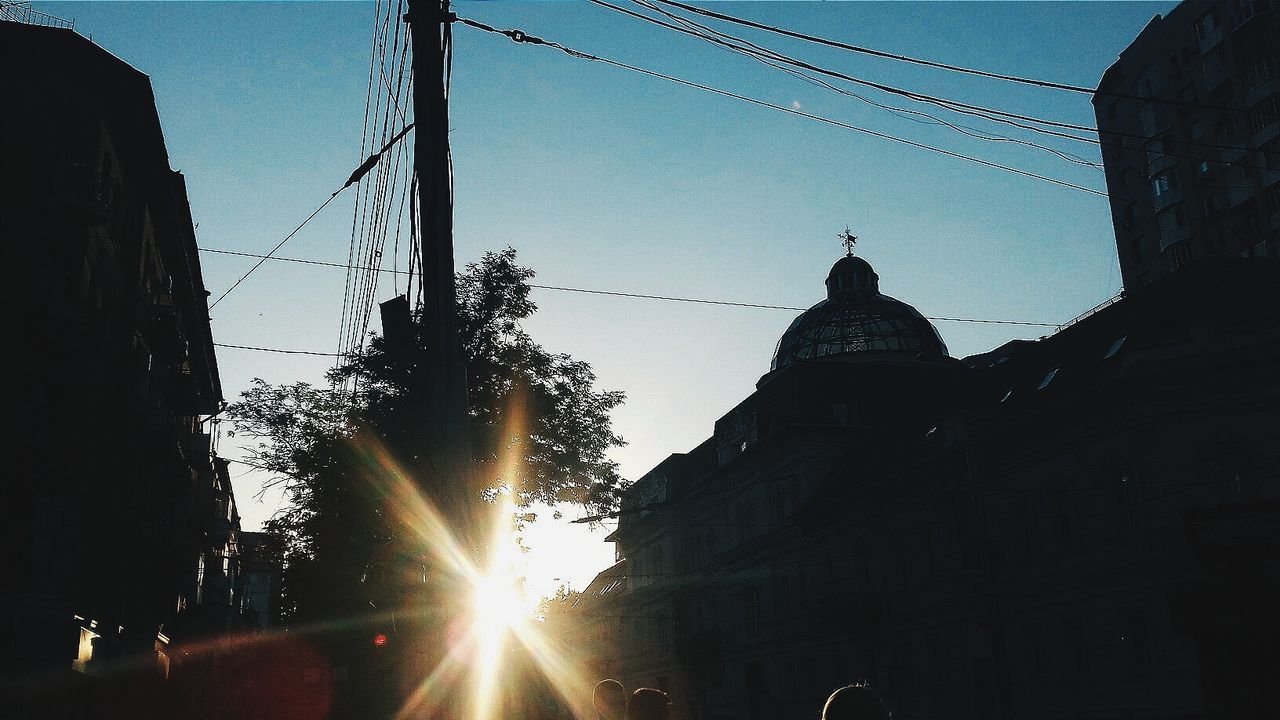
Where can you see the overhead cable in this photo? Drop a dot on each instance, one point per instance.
(274, 350)
(355, 177)
(944, 66)
(643, 296)
(775, 60)
(992, 114)
(521, 37)
(764, 55)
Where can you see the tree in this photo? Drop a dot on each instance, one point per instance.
(541, 408)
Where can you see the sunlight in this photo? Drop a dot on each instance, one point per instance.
(496, 608)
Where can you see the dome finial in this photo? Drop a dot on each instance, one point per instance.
(849, 239)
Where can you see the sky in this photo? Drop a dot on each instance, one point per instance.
(605, 179)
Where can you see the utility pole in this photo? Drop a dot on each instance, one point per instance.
(443, 380)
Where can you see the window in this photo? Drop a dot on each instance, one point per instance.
(1264, 114)
(1121, 487)
(1155, 117)
(1136, 635)
(1163, 183)
(936, 660)
(900, 551)
(1035, 648)
(1115, 348)
(751, 610)
(1271, 199)
(840, 412)
(1075, 633)
(744, 519)
(777, 507)
(1048, 378)
(1261, 71)
(200, 579)
(1062, 512)
(1203, 167)
(1206, 25)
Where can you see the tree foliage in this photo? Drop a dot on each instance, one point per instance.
(539, 426)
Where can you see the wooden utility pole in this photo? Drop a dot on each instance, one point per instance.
(443, 378)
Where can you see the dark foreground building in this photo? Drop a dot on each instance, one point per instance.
(1083, 526)
(1189, 119)
(121, 528)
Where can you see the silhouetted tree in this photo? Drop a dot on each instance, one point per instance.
(539, 407)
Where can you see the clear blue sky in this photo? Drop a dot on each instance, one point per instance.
(605, 179)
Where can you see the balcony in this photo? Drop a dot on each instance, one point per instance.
(1168, 197)
(1262, 91)
(1210, 40)
(79, 197)
(1265, 135)
(218, 530)
(164, 335)
(1160, 163)
(1174, 236)
(199, 447)
(1237, 195)
(180, 395)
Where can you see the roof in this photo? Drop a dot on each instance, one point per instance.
(857, 318)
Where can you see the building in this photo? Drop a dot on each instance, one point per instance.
(261, 571)
(122, 527)
(1074, 527)
(1188, 118)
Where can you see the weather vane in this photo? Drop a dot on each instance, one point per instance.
(849, 240)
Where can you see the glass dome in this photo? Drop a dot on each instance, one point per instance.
(855, 318)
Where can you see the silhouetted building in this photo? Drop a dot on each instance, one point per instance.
(261, 571)
(1072, 527)
(1188, 119)
(123, 521)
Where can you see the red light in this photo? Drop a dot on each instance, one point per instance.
(380, 639)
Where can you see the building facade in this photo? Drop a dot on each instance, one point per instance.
(1074, 527)
(123, 522)
(1188, 118)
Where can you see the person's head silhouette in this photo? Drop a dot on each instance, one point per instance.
(648, 704)
(609, 699)
(855, 702)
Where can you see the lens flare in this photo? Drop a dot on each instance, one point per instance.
(484, 617)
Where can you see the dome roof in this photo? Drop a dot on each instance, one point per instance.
(857, 318)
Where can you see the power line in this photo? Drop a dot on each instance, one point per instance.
(521, 37)
(986, 113)
(358, 173)
(274, 350)
(280, 244)
(944, 66)
(706, 33)
(773, 59)
(643, 296)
